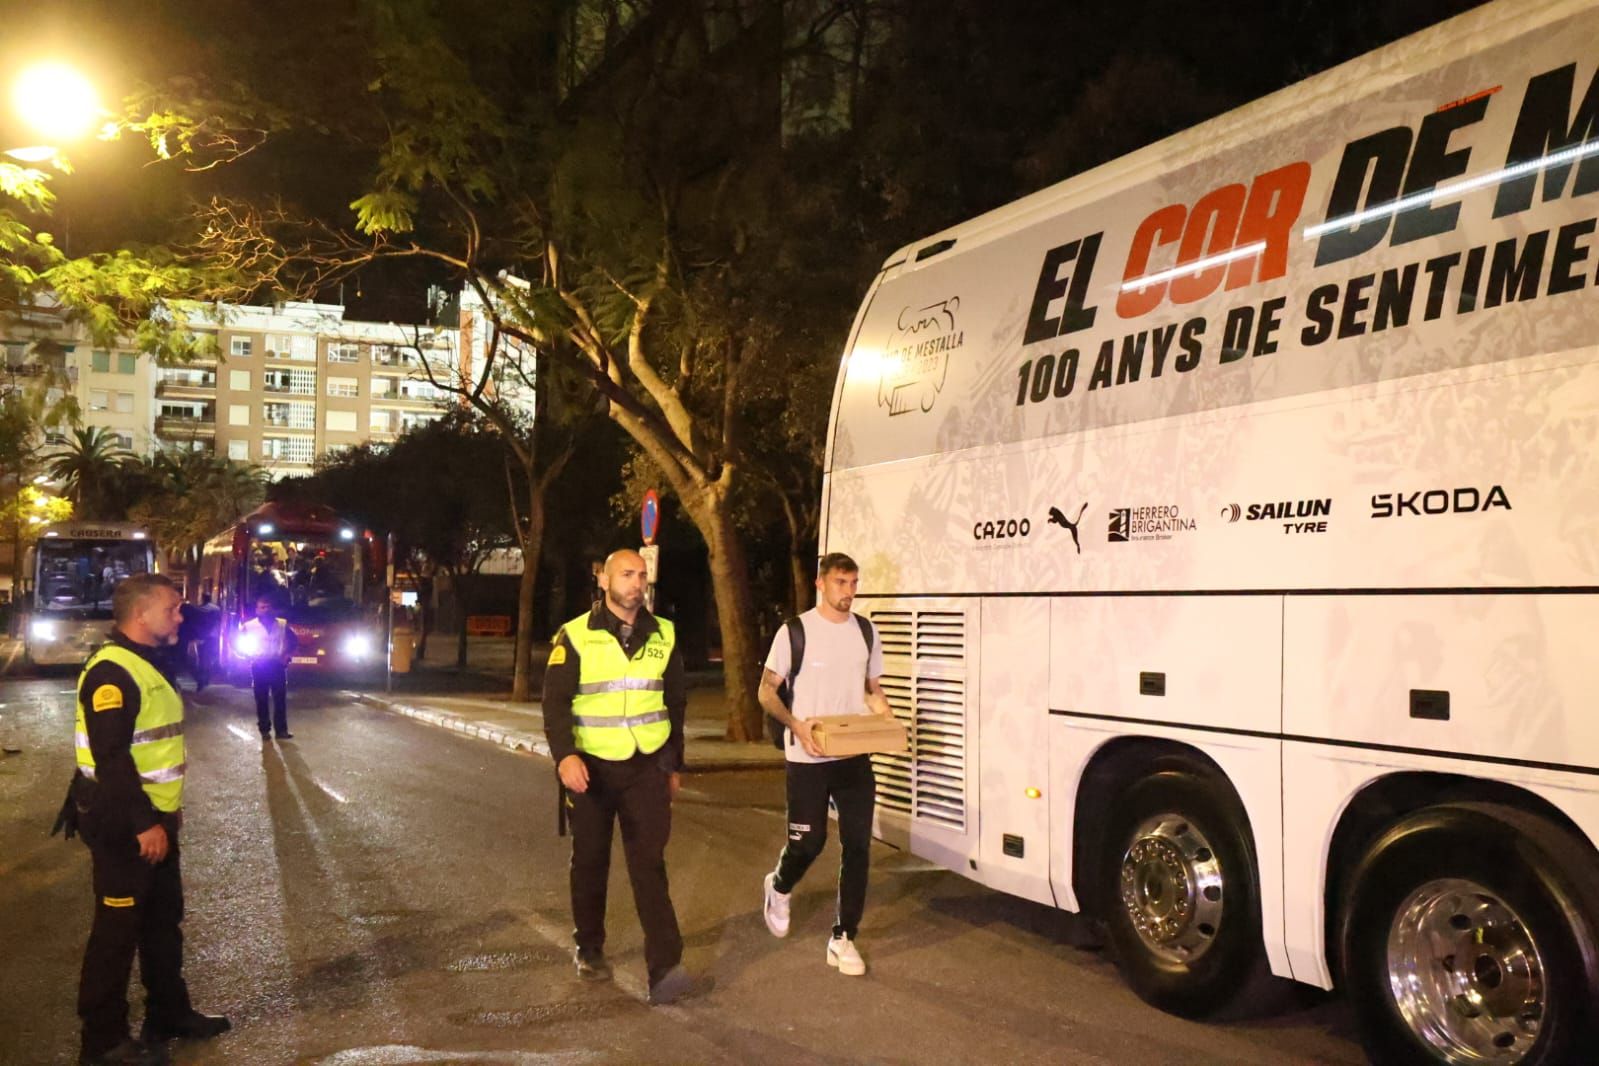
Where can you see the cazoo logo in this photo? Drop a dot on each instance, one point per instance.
(1438, 501)
(1002, 529)
(917, 362)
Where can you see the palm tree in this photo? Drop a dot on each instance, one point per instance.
(192, 495)
(88, 469)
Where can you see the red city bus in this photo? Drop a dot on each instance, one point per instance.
(322, 574)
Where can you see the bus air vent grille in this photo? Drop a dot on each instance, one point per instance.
(924, 679)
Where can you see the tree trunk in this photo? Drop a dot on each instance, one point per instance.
(730, 584)
(803, 587)
(463, 609)
(532, 543)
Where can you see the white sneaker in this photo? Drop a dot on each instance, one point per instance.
(776, 908)
(842, 954)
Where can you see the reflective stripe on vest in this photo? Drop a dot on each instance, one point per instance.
(620, 706)
(157, 744)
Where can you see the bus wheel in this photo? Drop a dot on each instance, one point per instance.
(1181, 902)
(1469, 938)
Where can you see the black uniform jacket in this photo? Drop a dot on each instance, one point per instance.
(560, 685)
(116, 796)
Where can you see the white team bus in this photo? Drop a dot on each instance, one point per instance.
(1230, 514)
(74, 567)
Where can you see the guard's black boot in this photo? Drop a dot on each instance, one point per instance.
(591, 965)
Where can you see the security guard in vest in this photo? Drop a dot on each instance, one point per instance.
(128, 794)
(614, 698)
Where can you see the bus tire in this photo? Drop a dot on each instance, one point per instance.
(1469, 935)
(1181, 896)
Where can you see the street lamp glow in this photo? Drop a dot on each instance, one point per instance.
(39, 153)
(56, 101)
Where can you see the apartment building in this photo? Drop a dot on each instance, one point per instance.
(114, 386)
(289, 383)
(297, 381)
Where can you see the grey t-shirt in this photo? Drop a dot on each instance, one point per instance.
(833, 673)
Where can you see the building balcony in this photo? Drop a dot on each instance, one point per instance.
(186, 426)
(283, 422)
(204, 386)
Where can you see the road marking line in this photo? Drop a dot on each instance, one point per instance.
(236, 731)
(330, 792)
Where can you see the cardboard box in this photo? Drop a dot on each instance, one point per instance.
(857, 734)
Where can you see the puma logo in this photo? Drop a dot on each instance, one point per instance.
(1058, 518)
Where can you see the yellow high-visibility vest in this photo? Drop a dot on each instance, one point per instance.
(620, 706)
(157, 749)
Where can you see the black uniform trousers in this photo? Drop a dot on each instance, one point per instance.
(637, 793)
(271, 678)
(137, 908)
(852, 787)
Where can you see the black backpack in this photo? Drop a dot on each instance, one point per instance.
(796, 655)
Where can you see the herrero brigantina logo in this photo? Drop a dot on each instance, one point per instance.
(918, 357)
(1147, 523)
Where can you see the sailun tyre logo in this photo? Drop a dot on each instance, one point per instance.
(1294, 516)
(918, 357)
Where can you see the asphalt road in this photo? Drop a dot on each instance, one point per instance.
(378, 891)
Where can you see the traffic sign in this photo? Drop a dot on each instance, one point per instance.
(652, 562)
(650, 516)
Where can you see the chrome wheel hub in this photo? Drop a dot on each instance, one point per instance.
(1171, 887)
(1466, 974)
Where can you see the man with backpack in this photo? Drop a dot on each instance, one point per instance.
(825, 662)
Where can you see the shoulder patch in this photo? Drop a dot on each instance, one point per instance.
(106, 698)
(557, 655)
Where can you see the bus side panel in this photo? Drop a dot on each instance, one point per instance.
(1218, 661)
(1519, 674)
(1214, 659)
(1014, 827)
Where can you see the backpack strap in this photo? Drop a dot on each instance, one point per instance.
(866, 635)
(796, 656)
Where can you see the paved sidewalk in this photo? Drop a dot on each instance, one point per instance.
(520, 726)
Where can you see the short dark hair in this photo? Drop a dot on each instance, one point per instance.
(131, 592)
(836, 561)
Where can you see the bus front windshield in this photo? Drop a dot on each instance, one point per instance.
(306, 580)
(78, 576)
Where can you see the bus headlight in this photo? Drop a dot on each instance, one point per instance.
(247, 644)
(43, 630)
(357, 646)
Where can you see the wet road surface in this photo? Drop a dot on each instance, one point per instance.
(377, 891)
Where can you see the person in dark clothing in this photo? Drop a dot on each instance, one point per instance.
(270, 644)
(128, 800)
(614, 701)
(197, 637)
